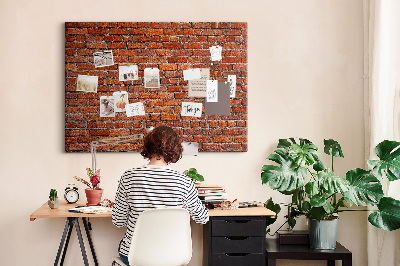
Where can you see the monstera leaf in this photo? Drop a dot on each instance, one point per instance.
(364, 188)
(331, 183)
(304, 155)
(334, 147)
(286, 177)
(276, 208)
(388, 216)
(388, 153)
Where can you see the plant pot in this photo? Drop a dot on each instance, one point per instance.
(93, 196)
(323, 234)
(53, 204)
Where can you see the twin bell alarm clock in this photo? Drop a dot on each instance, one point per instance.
(71, 194)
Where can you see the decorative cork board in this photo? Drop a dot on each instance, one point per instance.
(105, 58)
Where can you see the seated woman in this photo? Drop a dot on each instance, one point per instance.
(155, 185)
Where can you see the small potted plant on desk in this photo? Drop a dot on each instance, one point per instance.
(319, 194)
(93, 193)
(53, 201)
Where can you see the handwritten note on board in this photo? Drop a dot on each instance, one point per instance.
(212, 91)
(191, 109)
(190, 148)
(134, 109)
(216, 53)
(198, 87)
(232, 86)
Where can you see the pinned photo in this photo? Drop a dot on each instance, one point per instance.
(128, 73)
(216, 53)
(232, 86)
(151, 78)
(121, 100)
(87, 83)
(102, 59)
(107, 106)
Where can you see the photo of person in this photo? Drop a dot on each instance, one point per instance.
(102, 59)
(128, 73)
(87, 83)
(107, 108)
(151, 78)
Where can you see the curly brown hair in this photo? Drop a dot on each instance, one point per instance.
(163, 141)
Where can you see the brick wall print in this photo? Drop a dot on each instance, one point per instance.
(171, 47)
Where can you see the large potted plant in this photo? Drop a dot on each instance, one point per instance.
(320, 194)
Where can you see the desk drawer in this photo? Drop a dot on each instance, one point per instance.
(237, 245)
(237, 259)
(238, 227)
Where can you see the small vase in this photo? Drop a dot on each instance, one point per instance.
(54, 204)
(323, 234)
(93, 196)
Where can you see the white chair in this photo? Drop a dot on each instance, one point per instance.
(162, 237)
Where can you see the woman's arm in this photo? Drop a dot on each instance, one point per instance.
(120, 208)
(193, 205)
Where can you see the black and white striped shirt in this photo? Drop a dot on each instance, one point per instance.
(151, 187)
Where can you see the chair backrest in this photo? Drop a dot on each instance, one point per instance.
(161, 237)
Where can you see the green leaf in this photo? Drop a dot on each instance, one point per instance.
(284, 143)
(306, 206)
(292, 222)
(287, 176)
(317, 213)
(304, 155)
(194, 175)
(332, 183)
(311, 189)
(320, 201)
(332, 146)
(319, 166)
(388, 216)
(364, 188)
(276, 208)
(388, 153)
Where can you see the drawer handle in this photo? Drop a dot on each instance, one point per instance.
(237, 221)
(236, 237)
(237, 254)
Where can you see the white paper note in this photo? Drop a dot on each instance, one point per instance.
(190, 148)
(191, 109)
(216, 53)
(212, 91)
(107, 106)
(232, 86)
(191, 74)
(135, 109)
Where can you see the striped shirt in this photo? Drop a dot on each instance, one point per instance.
(151, 187)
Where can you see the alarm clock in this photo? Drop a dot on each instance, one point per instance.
(71, 194)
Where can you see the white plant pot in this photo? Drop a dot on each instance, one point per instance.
(54, 204)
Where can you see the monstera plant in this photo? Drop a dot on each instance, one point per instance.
(320, 194)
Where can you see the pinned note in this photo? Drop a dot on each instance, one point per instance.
(128, 72)
(87, 83)
(151, 78)
(135, 109)
(222, 107)
(190, 148)
(102, 59)
(121, 100)
(232, 86)
(191, 109)
(107, 108)
(191, 74)
(212, 91)
(216, 53)
(198, 87)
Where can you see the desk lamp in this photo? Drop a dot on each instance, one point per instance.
(104, 142)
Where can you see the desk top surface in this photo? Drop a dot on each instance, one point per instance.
(62, 212)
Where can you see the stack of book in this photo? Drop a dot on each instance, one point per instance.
(211, 194)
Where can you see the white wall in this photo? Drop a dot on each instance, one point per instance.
(305, 80)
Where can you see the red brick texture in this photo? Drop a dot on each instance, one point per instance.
(171, 47)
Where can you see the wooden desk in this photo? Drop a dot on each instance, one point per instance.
(304, 252)
(235, 237)
(72, 219)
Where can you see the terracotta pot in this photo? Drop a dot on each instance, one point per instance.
(93, 196)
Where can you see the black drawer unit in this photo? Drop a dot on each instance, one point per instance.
(234, 241)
